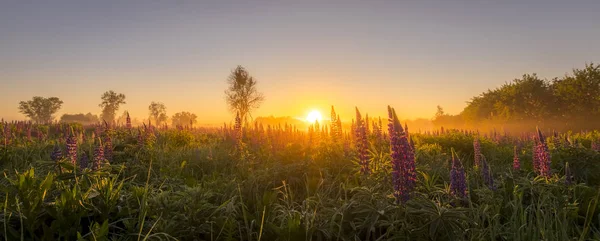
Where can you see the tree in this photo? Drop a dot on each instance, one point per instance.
(242, 95)
(183, 119)
(40, 109)
(110, 104)
(158, 112)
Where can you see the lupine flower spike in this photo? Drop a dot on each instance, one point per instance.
(458, 180)
(477, 151)
(516, 161)
(98, 156)
(362, 143)
(543, 156)
(71, 144)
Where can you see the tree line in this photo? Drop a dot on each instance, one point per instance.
(242, 97)
(570, 102)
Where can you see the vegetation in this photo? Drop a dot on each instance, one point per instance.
(111, 101)
(86, 119)
(273, 183)
(370, 180)
(158, 112)
(242, 95)
(40, 109)
(565, 103)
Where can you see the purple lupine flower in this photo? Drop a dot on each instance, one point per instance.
(458, 179)
(128, 121)
(477, 151)
(98, 157)
(362, 144)
(72, 149)
(487, 175)
(568, 175)
(396, 158)
(403, 159)
(516, 161)
(108, 148)
(56, 154)
(84, 162)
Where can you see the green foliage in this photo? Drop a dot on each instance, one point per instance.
(566, 103)
(111, 101)
(40, 109)
(189, 185)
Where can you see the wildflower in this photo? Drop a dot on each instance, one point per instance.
(108, 148)
(516, 161)
(84, 162)
(543, 156)
(362, 143)
(71, 144)
(128, 121)
(56, 154)
(98, 156)
(535, 158)
(403, 159)
(458, 182)
(477, 150)
(487, 175)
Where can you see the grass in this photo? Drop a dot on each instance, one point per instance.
(280, 184)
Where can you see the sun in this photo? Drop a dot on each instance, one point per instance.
(313, 116)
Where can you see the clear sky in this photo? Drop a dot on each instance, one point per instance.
(305, 54)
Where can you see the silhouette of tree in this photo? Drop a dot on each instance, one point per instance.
(40, 109)
(158, 112)
(242, 95)
(183, 119)
(110, 105)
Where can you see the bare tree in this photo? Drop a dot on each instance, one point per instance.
(242, 95)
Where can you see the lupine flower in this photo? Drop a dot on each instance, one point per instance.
(72, 149)
(98, 156)
(128, 121)
(458, 179)
(516, 161)
(108, 148)
(403, 159)
(140, 139)
(396, 154)
(477, 149)
(84, 162)
(362, 144)
(543, 156)
(56, 154)
(487, 175)
(568, 175)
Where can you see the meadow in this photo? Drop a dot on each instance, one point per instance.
(378, 180)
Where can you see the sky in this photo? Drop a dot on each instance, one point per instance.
(412, 55)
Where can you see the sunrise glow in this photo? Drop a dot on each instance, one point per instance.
(313, 116)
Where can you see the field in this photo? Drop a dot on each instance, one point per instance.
(375, 181)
